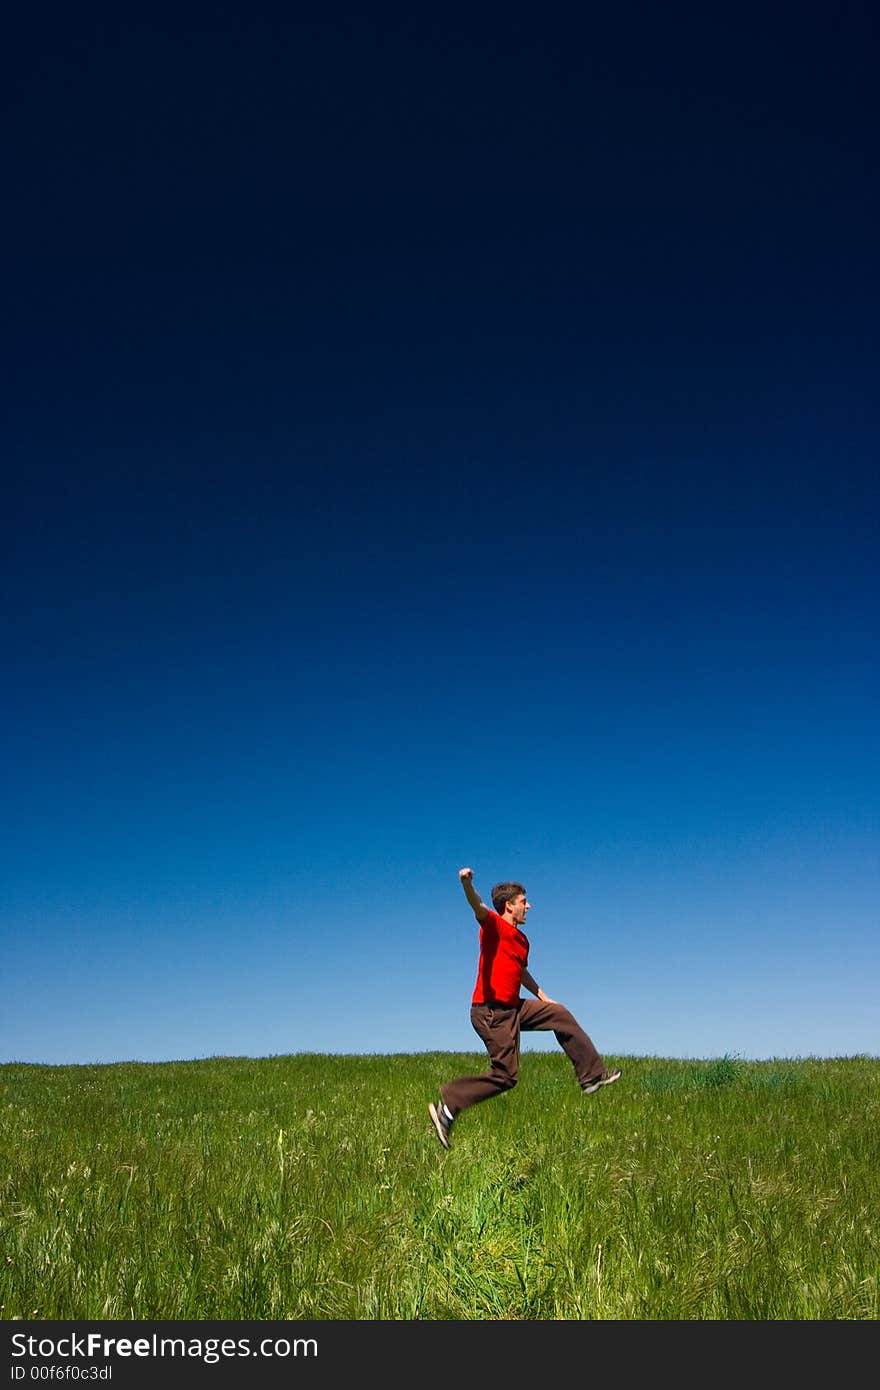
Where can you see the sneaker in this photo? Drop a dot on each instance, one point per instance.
(442, 1122)
(605, 1079)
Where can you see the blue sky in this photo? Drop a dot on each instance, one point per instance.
(424, 454)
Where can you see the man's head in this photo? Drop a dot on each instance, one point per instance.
(509, 900)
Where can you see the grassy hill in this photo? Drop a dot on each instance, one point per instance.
(312, 1186)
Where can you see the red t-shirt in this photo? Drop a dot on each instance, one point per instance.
(504, 955)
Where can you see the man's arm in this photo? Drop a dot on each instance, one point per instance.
(481, 911)
(529, 982)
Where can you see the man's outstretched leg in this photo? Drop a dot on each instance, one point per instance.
(538, 1015)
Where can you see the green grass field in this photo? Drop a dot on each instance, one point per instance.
(313, 1187)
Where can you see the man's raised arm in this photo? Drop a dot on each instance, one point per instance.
(481, 911)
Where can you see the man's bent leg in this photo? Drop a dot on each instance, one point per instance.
(499, 1029)
(537, 1016)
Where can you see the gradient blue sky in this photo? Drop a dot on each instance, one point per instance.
(436, 441)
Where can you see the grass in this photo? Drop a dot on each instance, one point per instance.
(312, 1187)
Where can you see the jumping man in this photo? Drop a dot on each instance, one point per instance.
(499, 1014)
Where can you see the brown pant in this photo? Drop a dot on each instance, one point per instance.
(500, 1029)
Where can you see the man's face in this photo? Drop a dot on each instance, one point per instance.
(520, 908)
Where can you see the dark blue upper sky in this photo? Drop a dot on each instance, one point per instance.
(440, 440)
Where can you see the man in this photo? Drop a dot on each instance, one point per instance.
(499, 1014)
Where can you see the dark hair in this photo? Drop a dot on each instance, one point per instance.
(503, 893)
